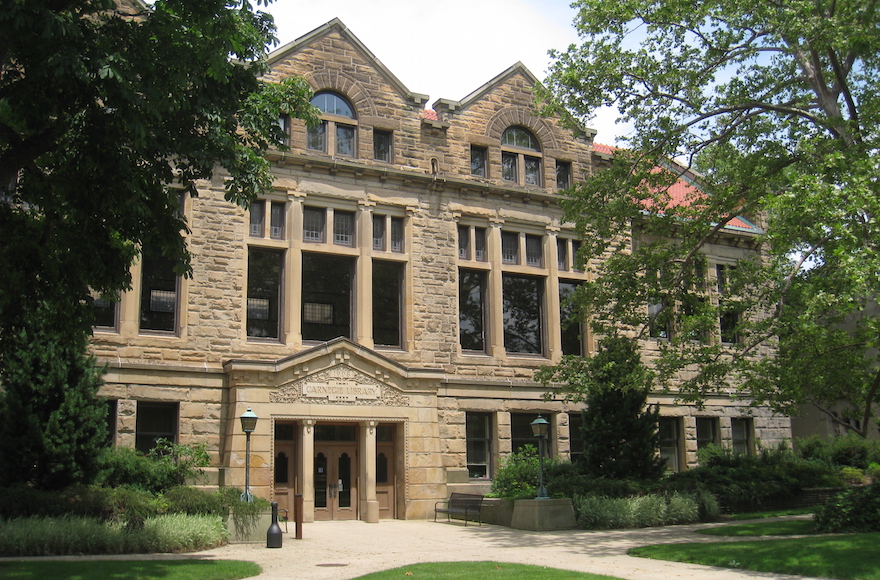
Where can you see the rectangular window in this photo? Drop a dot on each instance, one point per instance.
(575, 260)
(576, 436)
(533, 170)
(397, 235)
(728, 318)
(387, 303)
(316, 137)
(508, 167)
(521, 432)
(326, 296)
(265, 269)
(472, 310)
(572, 328)
(379, 239)
(563, 174)
(106, 312)
(480, 254)
(464, 243)
(112, 414)
(155, 421)
(343, 228)
(382, 145)
(741, 436)
(314, 224)
(159, 289)
(479, 445)
(510, 247)
(522, 298)
(534, 251)
(478, 161)
(345, 140)
(276, 220)
(658, 325)
(258, 218)
(670, 442)
(562, 254)
(707, 431)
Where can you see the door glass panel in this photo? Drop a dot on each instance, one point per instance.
(381, 468)
(344, 481)
(281, 468)
(320, 481)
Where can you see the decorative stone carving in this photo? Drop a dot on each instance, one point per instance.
(340, 384)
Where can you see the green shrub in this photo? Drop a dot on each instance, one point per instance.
(595, 512)
(813, 447)
(855, 510)
(873, 472)
(40, 536)
(168, 465)
(189, 500)
(518, 475)
(852, 475)
(850, 450)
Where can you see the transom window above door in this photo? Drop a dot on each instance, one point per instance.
(338, 129)
(521, 158)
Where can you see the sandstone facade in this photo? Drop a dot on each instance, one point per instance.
(422, 211)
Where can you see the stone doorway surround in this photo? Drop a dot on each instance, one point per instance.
(339, 382)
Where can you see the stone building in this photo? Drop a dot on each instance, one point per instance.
(384, 309)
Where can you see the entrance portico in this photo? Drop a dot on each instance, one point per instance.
(351, 431)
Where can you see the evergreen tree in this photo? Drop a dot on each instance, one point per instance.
(620, 431)
(52, 424)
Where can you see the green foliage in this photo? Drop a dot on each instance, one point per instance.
(463, 570)
(596, 512)
(855, 510)
(127, 569)
(849, 450)
(775, 109)
(52, 424)
(619, 430)
(168, 465)
(737, 479)
(191, 501)
(106, 119)
(74, 535)
(518, 475)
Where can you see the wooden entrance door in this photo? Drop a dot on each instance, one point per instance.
(335, 481)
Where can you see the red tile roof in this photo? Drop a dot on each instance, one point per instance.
(683, 192)
(430, 114)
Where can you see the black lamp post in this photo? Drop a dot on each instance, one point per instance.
(248, 425)
(540, 426)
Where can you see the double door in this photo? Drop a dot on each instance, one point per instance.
(335, 480)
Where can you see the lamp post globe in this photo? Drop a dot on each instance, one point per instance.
(248, 425)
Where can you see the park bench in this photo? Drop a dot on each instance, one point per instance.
(464, 506)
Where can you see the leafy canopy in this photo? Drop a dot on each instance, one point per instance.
(774, 106)
(110, 112)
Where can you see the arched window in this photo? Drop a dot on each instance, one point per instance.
(521, 157)
(338, 127)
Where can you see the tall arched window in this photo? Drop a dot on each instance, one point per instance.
(338, 127)
(521, 157)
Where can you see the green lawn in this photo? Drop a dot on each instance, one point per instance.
(778, 528)
(469, 570)
(844, 557)
(128, 570)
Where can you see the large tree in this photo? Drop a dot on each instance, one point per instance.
(110, 112)
(774, 107)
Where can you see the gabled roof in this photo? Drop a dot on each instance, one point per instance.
(337, 26)
(518, 68)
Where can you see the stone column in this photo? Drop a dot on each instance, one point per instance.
(369, 505)
(305, 467)
(494, 302)
(363, 321)
(554, 321)
(292, 293)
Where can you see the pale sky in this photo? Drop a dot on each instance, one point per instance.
(447, 49)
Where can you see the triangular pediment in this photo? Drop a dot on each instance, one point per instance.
(336, 27)
(338, 371)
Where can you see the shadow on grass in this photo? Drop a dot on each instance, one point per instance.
(127, 569)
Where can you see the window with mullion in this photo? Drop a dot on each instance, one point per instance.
(510, 247)
(572, 330)
(343, 228)
(478, 431)
(159, 293)
(264, 293)
(534, 251)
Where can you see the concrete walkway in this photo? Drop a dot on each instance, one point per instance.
(340, 550)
